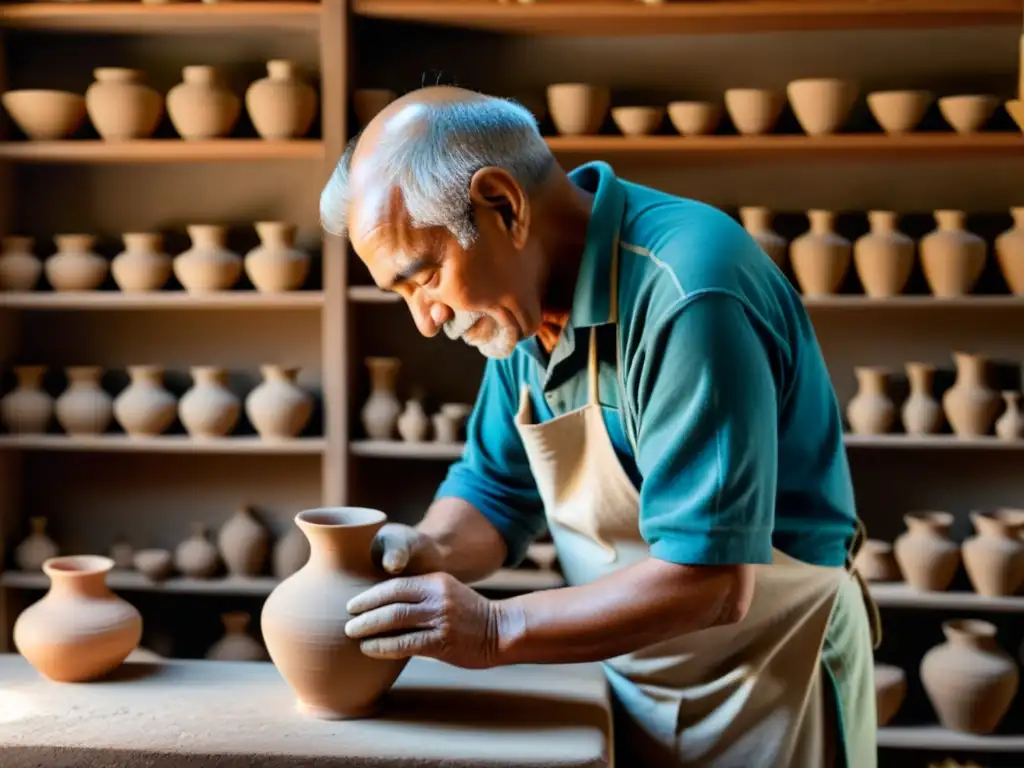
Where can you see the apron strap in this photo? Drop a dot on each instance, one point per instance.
(592, 369)
(874, 616)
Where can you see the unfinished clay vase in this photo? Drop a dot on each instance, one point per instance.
(243, 542)
(821, 104)
(367, 102)
(927, 556)
(871, 411)
(952, 258)
(196, 557)
(1010, 426)
(154, 564)
(121, 106)
(281, 105)
(578, 109)
(79, 630)
(970, 404)
(145, 408)
(279, 408)
(994, 556)
(75, 266)
(209, 408)
(448, 422)
(890, 690)
(84, 408)
(201, 107)
(304, 618)
(1009, 247)
(36, 548)
(413, 423)
(380, 411)
(969, 679)
(753, 111)
(20, 269)
(27, 409)
(290, 553)
(875, 561)
(884, 257)
(820, 256)
(209, 265)
(142, 265)
(236, 644)
(921, 412)
(276, 264)
(757, 220)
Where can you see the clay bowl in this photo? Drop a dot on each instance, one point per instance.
(578, 109)
(753, 111)
(638, 121)
(899, 111)
(367, 102)
(694, 118)
(1016, 109)
(45, 115)
(967, 114)
(821, 104)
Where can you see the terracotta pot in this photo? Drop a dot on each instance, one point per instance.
(276, 264)
(75, 266)
(968, 114)
(122, 553)
(279, 408)
(367, 102)
(899, 112)
(821, 105)
(1010, 426)
(871, 411)
(380, 411)
(290, 553)
(994, 557)
(236, 645)
(449, 421)
(196, 557)
(969, 679)
(876, 562)
(413, 423)
(45, 115)
(753, 111)
(36, 548)
(154, 564)
(921, 412)
(209, 265)
(304, 618)
(927, 556)
(27, 409)
(970, 404)
(578, 109)
(142, 265)
(84, 408)
(820, 257)
(952, 258)
(20, 269)
(638, 121)
(281, 105)
(201, 107)
(890, 691)
(883, 258)
(694, 118)
(79, 630)
(1009, 248)
(757, 220)
(121, 106)
(209, 408)
(243, 542)
(144, 408)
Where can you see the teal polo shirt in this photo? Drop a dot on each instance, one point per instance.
(721, 412)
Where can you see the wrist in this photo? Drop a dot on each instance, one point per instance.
(508, 622)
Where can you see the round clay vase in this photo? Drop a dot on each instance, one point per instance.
(884, 257)
(448, 422)
(209, 265)
(144, 408)
(921, 413)
(1009, 248)
(142, 265)
(971, 406)
(243, 542)
(76, 266)
(994, 556)
(236, 644)
(279, 408)
(578, 109)
(413, 423)
(304, 618)
(871, 411)
(381, 409)
(79, 630)
(209, 408)
(367, 102)
(757, 220)
(121, 106)
(27, 409)
(275, 264)
(196, 556)
(1010, 426)
(820, 256)
(201, 107)
(969, 679)
(821, 104)
(890, 691)
(154, 564)
(20, 269)
(36, 548)
(290, 553)
(875, 562)
(927, 556)
(84, 408)
(952, 258)
(281, 105)
(753, 111)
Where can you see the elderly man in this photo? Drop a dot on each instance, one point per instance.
(656, 398)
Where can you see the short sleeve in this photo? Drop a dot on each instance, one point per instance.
(706, 434)
(494, 474)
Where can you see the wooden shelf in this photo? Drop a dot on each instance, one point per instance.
(946, 442)
(162, 300)
(371, 294)
(163, 444)
(631, 17)
(160, 151)
(135, 17)
(926, 303)
(901, 595)
(935, 737)
(399, 449)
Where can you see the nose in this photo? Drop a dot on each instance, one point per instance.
(429, 316)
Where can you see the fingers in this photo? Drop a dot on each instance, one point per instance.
(425, 643)
(392, 547)
(403, 590)
(391, 618)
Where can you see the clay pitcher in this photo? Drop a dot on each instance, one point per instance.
(381, 409)
(281, 105)
(970, 404)
(994, 557)
(870, 411)
(20, 269)
(1009, 247)
(952, 258)
(1010, 426)
(275, 264)
(883, 258)
(145, 408)
(926, 554)
(84, 408)
(304, 618)
(820, 256)
(757, 220)
(27, 409)
(921, 412)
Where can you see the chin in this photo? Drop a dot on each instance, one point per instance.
(501, 345)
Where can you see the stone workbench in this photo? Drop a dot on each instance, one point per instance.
(210, 714)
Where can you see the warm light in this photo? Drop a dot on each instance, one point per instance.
(15, 706)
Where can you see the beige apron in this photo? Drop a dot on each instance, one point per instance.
(748, 695)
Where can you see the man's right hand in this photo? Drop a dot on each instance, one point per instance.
(401, 549)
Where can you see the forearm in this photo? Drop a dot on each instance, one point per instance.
(638, 606)
(471, 547)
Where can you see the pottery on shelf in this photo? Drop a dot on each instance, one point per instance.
(243, 542)
(927, 556)
(142, 265)
(969, 679)
(27, 409)
(876, 562)
(196, 556)
(36, 548)
(921, 413)
(304, 618)
(1010, 426)
(276, 264)
(144, 408)
(822, 105)
(757, 220)
(413, 423)
(209, 408)
(884, 257)
(971, 406)
(753, 111)
(899, 111)
(637, 121)
(890, 691)
(290, 553)
(367, 102)
(994, 556)
(20, 269)
(79, 630)
(75, 266)
(154, 564)
(121, 106)
(201, 106)
(278, 407)
(84, 408)
(1009, 248)
(209, 265)
(236, 644)
(449, 420)
(280, 105)
(951, 257)
(820, 256)
(122, 553)
(694, 118)
(871, 411)
(45, 115)
(381, 409)
(578, 109)
(968, 113)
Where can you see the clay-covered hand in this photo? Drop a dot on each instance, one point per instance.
(399, 549)
(434, 615)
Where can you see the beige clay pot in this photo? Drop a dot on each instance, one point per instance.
(884, 257)
(951, 257)
(413, 423)
(449, 421)
(578, 109)
(278, 407)
(27, 409)
(144, 408)
(820, 256)
(638, 121)
(694, 118)
(45, 115)
(84, 408)
(201, 106)
(753, 111)
(75, 266)
(142, 265)
(154, 564)
(196, 557)
(899, 112)
(36, 548)
(379, 413)
(927, 556)
(876, 562)
(276, 265)
(871, 411)
(757, 220)
(994, 556)
(236, 644)
(280, 105)
(1010, 426)
(243, 542)
(209, 409)
(290, 553)
(367, 102)
(967, 114)
(921, 413)
(821, 105)
(209, 265)
(890, 691)
(971, 405)
(121, 106)
(1009, 248)
(20, 269)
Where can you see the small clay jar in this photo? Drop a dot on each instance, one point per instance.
(236, 644)
(875, 562)
(820, 256)
(278, 408)
(209, 408)
(890, 691)
(367, 102)
(413, 424)
(884, 257)
(927, 556)
(757, 220)
(952, 258)
(209, 265)
(142, 265)
(994, 556)
(290, 553)
(871, 411)
(276, 265)
(971, 406)
(244, 542)
(121, 106)
(27, 409)
(578, 109)
(84, 408)
(75, 266)
(921, 412)
(154, 564)
(20, 269)
(1010, 426)
(196, 556)
(1009, 248)
(201, 107)
(36, 548)
(144, 408)
(281, 105)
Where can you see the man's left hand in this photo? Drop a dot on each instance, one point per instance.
(434, 615)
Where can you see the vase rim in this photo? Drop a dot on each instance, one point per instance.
(340, 517)
(978, 628)
(931, 516)
(77, 566)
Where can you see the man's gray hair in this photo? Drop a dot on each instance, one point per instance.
(430, 152)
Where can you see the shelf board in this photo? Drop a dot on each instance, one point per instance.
(371, 294)
(399, 449)
(935, 737)
(631, 17)
(902, 595)
(947, 442)
(929, 303)
(136, 17)
(163, 444)
(160, 150)
(161, 300)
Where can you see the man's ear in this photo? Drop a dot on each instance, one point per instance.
(494, 191)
